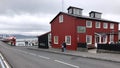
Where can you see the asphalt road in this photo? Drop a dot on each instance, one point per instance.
(22, 57)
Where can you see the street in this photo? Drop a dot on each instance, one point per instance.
(23, 57)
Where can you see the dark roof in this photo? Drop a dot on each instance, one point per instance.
(44, 34)
(95, 12)
(85, 17)
(74, 7)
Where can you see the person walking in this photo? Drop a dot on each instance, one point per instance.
(63, 47)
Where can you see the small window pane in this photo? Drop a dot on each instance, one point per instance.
(111, 26)
(55, 39)
(89, 24)
(68, 40)
(97, 24)
(89, 39)
(105, 25)
(104, 38)
(61, 18)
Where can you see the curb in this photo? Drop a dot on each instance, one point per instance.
(63, 53)
(6, 63)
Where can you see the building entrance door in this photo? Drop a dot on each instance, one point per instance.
(97, 39)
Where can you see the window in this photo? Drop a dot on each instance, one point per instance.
(89, 24)
(55, 39)
(104, 38)
(88, 39)
(68, 40)
(97, 24)
(111, 26)
(76, 11)
(81, 29)
(111, 38)
(60, 18)
(105, 25)
(97, 15)
(70, 11)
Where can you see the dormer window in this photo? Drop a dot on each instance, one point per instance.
(77, 12)
(74, 10)
(70, 11)
(60, 18)
(95, 14)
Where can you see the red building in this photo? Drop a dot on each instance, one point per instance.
(74, 28)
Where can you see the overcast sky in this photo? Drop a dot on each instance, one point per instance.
(32, 17)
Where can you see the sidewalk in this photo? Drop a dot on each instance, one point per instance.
(98, 56)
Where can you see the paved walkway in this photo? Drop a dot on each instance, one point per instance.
(92, 55)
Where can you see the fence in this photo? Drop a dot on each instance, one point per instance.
(82, 45)
(110, 47)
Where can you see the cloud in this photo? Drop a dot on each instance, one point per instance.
(25, 23)
(33, 16)
(29, 6)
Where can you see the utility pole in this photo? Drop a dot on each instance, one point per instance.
(62, 5)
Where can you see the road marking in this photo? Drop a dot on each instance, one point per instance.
(22, 51)
(33, 54)
(43, 57)
(67, 64)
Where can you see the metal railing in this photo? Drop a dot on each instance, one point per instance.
(110, 47)
(3, 62)
(82, 45)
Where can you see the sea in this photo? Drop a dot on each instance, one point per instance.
(26, 41)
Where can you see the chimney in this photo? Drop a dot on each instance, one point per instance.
(95, 14)
(74, 10)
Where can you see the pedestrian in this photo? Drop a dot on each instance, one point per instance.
(63, 47)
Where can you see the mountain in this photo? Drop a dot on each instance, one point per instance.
(18, 36)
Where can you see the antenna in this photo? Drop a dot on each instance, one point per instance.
(62, 5)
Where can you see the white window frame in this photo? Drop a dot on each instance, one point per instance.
(105, 25)
(61, 19)
(56, 39)
(105, 39)
(111, 26)
(111, 38)
(76, 11)
(97, 24)
(89, 36)
(89, 22)
(66, 40)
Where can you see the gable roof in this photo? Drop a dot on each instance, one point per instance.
(74, 7)
(44, 34)
(84, 17)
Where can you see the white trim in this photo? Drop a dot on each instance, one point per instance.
(97, 23)
(68, 42)
(89, 36)
(60, 18)
(105, 25)
(111, 38)
(105, 41)
(111, 26)
(89, 22)
(56, 39)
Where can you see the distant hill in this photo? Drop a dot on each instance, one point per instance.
(18, 36)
